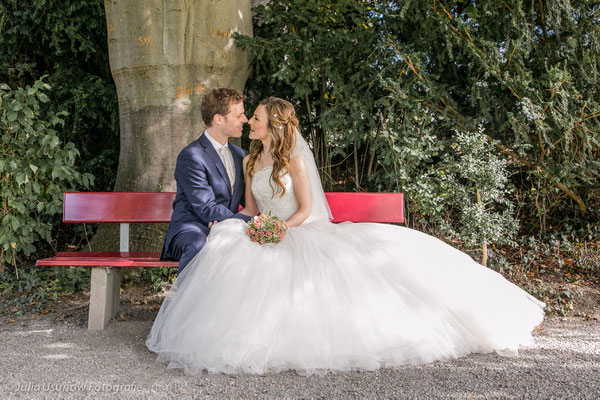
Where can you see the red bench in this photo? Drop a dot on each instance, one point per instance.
(126, 208)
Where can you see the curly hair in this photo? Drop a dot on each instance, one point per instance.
(282, 129)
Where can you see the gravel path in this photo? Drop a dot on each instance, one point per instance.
(45, 359)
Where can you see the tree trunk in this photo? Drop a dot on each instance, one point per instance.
(163, 57)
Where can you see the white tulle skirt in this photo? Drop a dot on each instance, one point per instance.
(335, 297)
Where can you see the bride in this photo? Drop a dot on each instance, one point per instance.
(350, 296)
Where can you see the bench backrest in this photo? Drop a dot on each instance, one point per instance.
(131, 207)
(366, 207)
(120, 207)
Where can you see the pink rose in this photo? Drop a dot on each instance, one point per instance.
(257, 222)
(254, 239)
(278, 225)
(270, 233)
(249, 232)
(260, 233)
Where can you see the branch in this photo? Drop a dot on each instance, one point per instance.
(509, 59)
(541, 3)
(574, 196)
(481, 53)
(542, 148)
(411, 66)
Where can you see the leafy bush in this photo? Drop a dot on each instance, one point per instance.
(459, 188)
(558, 302)
(68, 43)
(35, 169)
(35, 285)
(380, 87)
(158, 278)
(475, 183)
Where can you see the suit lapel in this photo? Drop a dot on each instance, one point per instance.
(239, 174)
(214, 156)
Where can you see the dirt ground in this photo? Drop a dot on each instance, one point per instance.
(50, 354)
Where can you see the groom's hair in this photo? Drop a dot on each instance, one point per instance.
(218, 101)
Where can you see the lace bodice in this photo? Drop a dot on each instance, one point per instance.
(262, 190)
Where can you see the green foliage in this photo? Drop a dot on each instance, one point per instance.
(409, 159)
(558, 302)
(157, 277)
(34, 285)
(318, 55)
(35, 169)
(380, 87)
(475, 183)
(459, 188)
(536, 87)
(68, 43)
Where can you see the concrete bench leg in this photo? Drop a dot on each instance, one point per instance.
(104, 297)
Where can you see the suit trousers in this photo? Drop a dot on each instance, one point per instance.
(185, 245)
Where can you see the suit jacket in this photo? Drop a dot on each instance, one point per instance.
(203, 190)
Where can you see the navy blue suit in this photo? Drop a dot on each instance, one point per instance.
(203, 196)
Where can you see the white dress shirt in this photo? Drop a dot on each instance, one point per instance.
(217, 146)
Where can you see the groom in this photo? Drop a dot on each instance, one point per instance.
(209, 177)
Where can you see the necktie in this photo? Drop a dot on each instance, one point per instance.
(226, 157)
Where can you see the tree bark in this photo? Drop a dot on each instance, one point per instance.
(164, 56)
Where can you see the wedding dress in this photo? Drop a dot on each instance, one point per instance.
(349, 296)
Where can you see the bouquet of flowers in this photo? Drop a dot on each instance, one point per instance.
(266, 228)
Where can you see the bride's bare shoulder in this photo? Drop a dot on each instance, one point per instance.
(297, 164)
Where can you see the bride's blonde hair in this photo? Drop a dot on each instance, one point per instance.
(282, 126)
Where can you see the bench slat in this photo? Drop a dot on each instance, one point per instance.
(118, 207)
(131, 207)
(106, 259)
(366, 207)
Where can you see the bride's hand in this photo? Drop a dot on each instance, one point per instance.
(210, 224)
